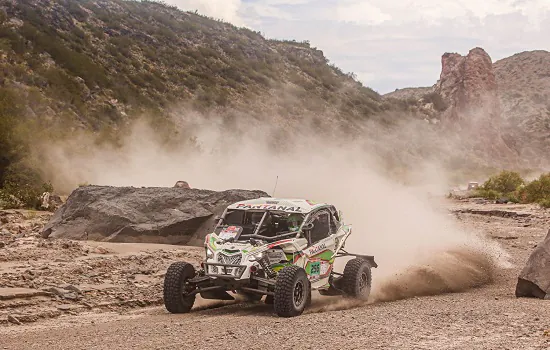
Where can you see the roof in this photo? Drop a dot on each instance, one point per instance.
(278, 204)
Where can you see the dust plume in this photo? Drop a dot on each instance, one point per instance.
(384, 179)
(447, 272)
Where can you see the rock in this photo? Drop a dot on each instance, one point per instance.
(502, 200)
(71, 296)
(13, 319)
(100, 250)
(141, 215)
(71, 288)
(468, 86)
(56, 291)
(534, 279)
(181, 184)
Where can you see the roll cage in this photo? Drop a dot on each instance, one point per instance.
(305, 226)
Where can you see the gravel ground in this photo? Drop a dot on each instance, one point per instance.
(488, 317)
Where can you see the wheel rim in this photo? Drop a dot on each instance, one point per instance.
(186, 288)
(299, 293)
(363, 281)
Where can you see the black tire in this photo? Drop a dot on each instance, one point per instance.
(357, 280)
(175, 288)
(292, 292)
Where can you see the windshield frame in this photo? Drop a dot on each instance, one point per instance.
(255, 234)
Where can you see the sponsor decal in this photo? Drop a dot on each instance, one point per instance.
(229, 232)
(275, 256)
(316, 249)
(279, 243)
(269, 207)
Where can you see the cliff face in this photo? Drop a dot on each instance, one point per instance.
(502, 108)
(468, 85)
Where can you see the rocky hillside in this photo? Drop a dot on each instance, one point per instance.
(96, 62)
(96, 65)
(524, 91)
(505, 104)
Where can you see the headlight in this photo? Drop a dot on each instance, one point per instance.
(256, 257)
(209, 253)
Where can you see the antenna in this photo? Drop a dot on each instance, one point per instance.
(276, 181)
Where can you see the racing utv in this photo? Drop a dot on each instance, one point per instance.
(280, 248)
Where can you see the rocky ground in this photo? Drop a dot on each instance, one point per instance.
(42, 278)
(88, 295)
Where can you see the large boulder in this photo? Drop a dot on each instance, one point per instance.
(147, 214)
(534, 279)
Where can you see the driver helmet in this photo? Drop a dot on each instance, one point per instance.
(294, 221)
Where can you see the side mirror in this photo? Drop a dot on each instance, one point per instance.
(308, 227)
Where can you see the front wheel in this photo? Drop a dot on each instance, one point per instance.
(292, 292)
(357, 279)
(176, 288)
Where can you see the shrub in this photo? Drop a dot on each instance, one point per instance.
(545, 203)
(537, 191)
(439, 104)
(22, 187)
(504, 183)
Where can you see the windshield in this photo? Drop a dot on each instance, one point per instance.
(274, 224)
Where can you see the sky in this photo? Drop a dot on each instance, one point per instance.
(391, 44)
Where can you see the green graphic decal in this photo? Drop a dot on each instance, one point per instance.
(278, 267)
(325, 255)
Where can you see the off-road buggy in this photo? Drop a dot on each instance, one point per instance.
(280, 248)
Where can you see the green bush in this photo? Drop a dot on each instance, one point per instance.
(510, 185)
(439, 104)
(504, 183)
(20, 184)
(487, 194)
(537, 191)
(545, 203)
(22, 187)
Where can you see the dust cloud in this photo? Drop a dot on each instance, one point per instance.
(379, 177)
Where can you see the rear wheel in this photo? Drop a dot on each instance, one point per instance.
(177, 288)
(292, 291)
(357, 279)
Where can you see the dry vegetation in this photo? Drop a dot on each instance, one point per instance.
(95, 65)
(512, 187)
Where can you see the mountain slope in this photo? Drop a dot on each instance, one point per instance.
(524, 90)
(97, 61)
(522, 114)
(94, 66)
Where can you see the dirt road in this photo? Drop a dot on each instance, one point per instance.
(489, 317)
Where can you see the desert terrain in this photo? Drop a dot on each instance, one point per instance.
(62, 294)
(103, 102)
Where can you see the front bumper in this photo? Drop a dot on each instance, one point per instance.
(220, 270)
